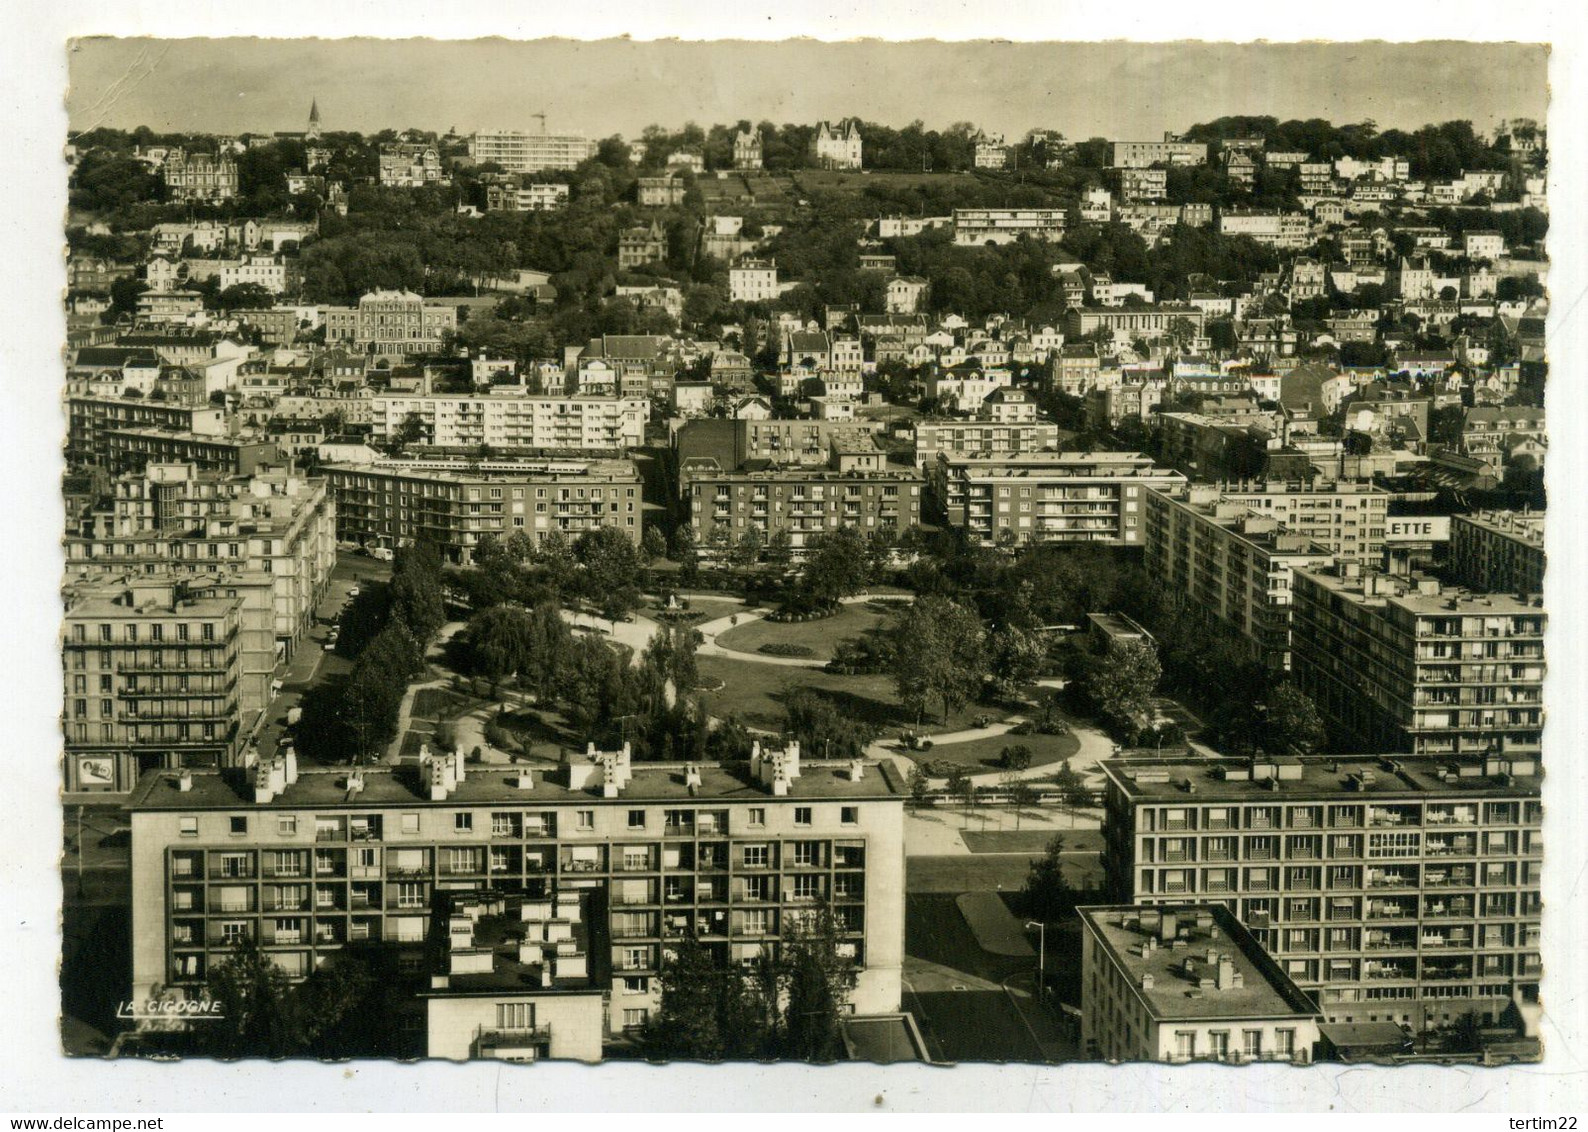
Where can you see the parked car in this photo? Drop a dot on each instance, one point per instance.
(353, 592)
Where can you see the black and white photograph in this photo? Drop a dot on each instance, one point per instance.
(893, 553)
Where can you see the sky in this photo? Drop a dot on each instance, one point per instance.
(614, 86)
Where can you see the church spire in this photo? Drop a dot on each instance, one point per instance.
(314, 119)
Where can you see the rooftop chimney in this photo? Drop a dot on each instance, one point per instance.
(1226, 972)
(1167, 926)
(857, 770)
(524, 780)
(184, 781)
(291, 761)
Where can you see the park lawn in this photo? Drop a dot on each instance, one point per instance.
(821, 636)
(980, 755)
(711, 608)
(754, 692)
(442, 703)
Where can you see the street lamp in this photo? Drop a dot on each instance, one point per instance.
(1042, 955)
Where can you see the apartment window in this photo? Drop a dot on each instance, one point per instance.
(636, 984)
(756, 921)
(410, 894)
(1252, 1043)
(850, 815)
(462, 822)
(410, 823)
(1185, 1044)
(636, 819)
(757, 815)
(807, 887)
(1285, 1042)
(635, 1017)
(584, 819)
(802, 815)
(756, 856)
(515, 1015)
(187, 827)
(286, 826)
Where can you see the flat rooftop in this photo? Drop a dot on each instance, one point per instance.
(1181, 948)
(1337, 778)
(1523, 526)
(651, 782)
(1422, 595)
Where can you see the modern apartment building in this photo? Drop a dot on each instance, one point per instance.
(453, 503)
(1345, 517)
(855, 489)
(500, 420)
(978, 227)
(525, 198)
(1232, 563)
(131, 450)
(539, 904)
(1187, 982)
(1401, 889)
(90, 419)
(520, 152)
(1499, 551)
(1049, 497)
(151, 680)
(983, 438)
(1406, 663)
(175, 520)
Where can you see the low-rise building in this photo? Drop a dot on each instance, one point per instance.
(1141, 155)
(406, 165)
(547, 197)
(977, 227)
(753, 281)
(1187, 982)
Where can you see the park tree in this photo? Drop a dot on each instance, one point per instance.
(747, 551)
(1121, 681)
(1015, 658)
(684, 551)
(416, 597)
(610, 571)
(779, 548)
(838, 566)
(499, 641)
(938, 654)
(1292, 721)
(653, 545)
(694, 994)
(822, 728)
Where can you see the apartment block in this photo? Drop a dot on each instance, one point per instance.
(450, 420)
(1402, 889)
(151, 678)
(855, 489)
(453, 503)
(977, 227)
(753, 281)
(517, 151)
(132, 450)
(90, 419)
(1499, 551)
(987, 439)
(539, 904)
(1347, 518)
(1406, 663)
(1136, 322)
(175, 519)
(525, 198)
(1049, 497)
(1187, 982)
(1232, 563)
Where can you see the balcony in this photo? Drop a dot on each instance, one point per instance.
(495, 1043)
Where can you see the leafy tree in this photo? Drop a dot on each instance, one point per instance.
(837, 567)
(938, 653)
(1021, 795)
(1047, 894)
(779, 548)
(822, 729)
(1016, 757)
(499, 641)
(747, 551)
(693, 993)
(653, 545)
(1120, 682)
(255, 1012)
(410, 430)
(819, 982)
(1292, 721)
(1015, 658)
